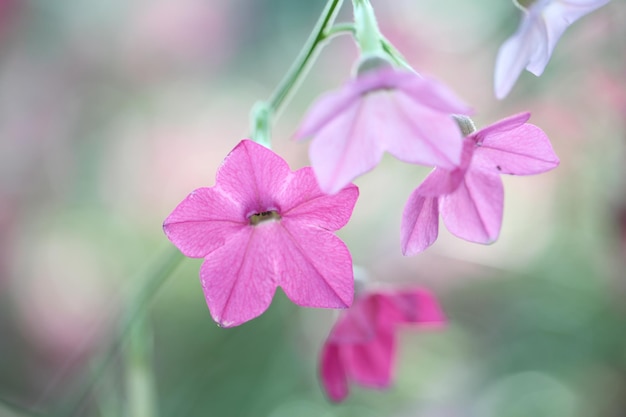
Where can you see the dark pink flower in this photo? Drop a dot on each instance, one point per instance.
(361, 347)
(263, 226)
(382, 110)
(470, 198)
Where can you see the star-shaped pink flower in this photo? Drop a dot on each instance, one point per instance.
(381, 110)
(532, 44)
(361, 347)
(263, 226)
(470, 198)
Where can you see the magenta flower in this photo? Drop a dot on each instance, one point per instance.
(531, 46)
(263, 226)
(470, 198)
(361, 347)
(382, 110)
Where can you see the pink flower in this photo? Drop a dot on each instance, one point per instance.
(384, 109)
(361, 347)
(470, 198)
(531, 46)
(263, 226)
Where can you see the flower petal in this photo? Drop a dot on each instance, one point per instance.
(474, 210)
(558, 15)
(510, 147)
(412, 306)
(239, 278)
(332, 373)
(203, 222)
(314, 266)
(331, 104)
(356, 324)
(431, 93)
(515, 54)
(415, 133)
(371, 364)
(420, 224)
(326, 108)
(304, 201)
(252, 175)
(420, 219)
(347, 147)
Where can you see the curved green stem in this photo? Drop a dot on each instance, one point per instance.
(339, 29)
(300, 65)
(148, 283)
(164, 264)
(13, 409)
(263, 112)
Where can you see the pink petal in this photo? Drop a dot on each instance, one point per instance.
(332, 372)
(420, 220)
(347, 147)
(251, 176)
(314, 266)
(420, 224)
(474, 211)
(413, 306)
(371, 364)
(330, 105)
(415, 133)
(518, 150)
(326, 108)
(302, 200)
(239, 278)
(356, 324)
(203, 222)
(429, 92)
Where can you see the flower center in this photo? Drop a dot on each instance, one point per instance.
(264, 216)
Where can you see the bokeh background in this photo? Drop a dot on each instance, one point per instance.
(111, 112)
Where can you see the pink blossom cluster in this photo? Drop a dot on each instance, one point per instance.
(263, 226)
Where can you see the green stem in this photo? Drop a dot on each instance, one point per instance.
(368, 35)
(164, 264)
(300, 65)
(148, 283)
(339, 29)
(141, 394)
(10, 408)
(263, 112)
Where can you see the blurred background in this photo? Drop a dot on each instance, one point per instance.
(111, 112)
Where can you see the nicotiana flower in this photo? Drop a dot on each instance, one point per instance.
(470, 198)
(361, 347)
(532, 44)
(263, 226)
(383, 109)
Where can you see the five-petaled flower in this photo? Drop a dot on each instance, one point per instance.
(382, 109)
(532, 44)
(263, 226)
(470, 198)
(361, 347)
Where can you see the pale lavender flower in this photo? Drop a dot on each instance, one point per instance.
(382, 110)
(531, 46)
(470, 198)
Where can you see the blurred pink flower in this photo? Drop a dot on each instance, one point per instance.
(531, 46)
(384, 109)
(361, 345)
(263, 226)
(470, 198)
